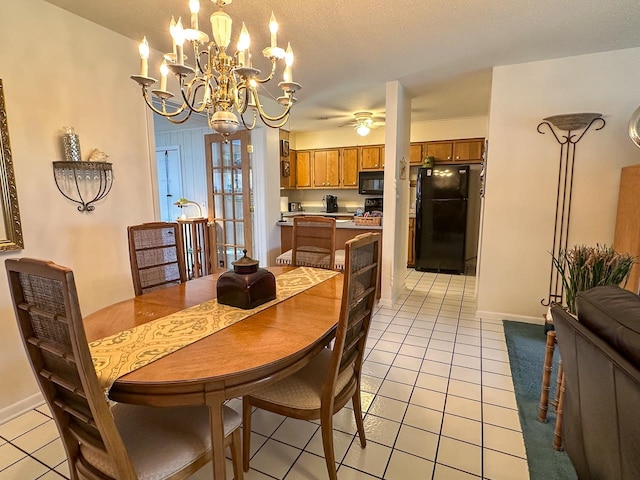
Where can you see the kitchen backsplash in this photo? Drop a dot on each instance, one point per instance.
(348, 200)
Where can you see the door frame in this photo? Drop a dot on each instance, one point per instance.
(247, 193)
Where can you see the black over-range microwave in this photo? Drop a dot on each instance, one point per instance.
(371, 183)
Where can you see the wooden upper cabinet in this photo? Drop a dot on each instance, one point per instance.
(326, 168)
(370, 158)
(468, 150)
(442, 151)
(303, 169)
(415, 154)
(349, 165)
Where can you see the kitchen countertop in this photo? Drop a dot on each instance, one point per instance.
(318, 213)
(339, 224)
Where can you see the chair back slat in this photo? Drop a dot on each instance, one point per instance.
(358, 298)
(46, 306)
(156, 254)
(313, 242)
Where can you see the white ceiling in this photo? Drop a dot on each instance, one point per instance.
(442, 51)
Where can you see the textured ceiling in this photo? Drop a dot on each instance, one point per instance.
(440, 50)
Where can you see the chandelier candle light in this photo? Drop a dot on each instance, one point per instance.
(218, 84)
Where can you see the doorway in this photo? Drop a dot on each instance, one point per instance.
(169, 182)
(229, 191)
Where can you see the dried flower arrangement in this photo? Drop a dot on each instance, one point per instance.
(583, 267)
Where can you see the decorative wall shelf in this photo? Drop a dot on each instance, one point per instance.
(83, 182)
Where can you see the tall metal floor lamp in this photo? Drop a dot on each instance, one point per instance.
(571, 124)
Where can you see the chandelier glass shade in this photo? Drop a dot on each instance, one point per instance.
(221, 85)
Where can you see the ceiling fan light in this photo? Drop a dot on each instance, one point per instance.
(363, 130)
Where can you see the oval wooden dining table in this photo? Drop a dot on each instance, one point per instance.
(230, 363)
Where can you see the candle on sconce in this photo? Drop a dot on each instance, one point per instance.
(144, 57)
(288, 59)
(164, 71)
(273, 28)
(194, 6)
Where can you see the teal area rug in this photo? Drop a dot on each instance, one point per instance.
(526, 345)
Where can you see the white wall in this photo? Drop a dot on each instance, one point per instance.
(59, 69)
(522, 170)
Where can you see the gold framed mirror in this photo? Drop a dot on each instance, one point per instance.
(10, 228)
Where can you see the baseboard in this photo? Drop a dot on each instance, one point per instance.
(23, 406)
(509, 316)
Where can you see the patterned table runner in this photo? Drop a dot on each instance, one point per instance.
(124, 352)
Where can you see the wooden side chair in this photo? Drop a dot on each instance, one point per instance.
(156, 254)
(326, 384)
(313, 244)
(123, 442)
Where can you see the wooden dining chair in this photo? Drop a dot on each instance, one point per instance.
(123, 442)
(326, 384)
(156, 254)
(314, 242)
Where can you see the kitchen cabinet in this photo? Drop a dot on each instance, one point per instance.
(411, 253)
(415, 154)
(441, 151)
(339, 167)
(303, 169)
(349, 167)
(468, 151)
(326, 168)
(370, 158)
(453, 151)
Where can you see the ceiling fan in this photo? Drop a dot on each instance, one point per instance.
(364, 122)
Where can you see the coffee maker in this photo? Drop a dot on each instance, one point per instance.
(330, 203)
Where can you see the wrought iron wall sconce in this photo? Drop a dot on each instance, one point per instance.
(83, 182)
(568, 123)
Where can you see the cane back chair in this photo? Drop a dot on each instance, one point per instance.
(156, 255)
(326, 384)
(123, 442)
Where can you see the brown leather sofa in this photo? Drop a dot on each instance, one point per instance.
(601, 358)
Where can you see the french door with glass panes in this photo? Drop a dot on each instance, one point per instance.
(229, 189)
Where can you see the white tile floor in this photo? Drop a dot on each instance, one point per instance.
(438, 399)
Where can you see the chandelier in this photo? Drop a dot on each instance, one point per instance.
(221, 85)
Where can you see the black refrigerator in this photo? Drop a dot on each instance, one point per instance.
(441, 218)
